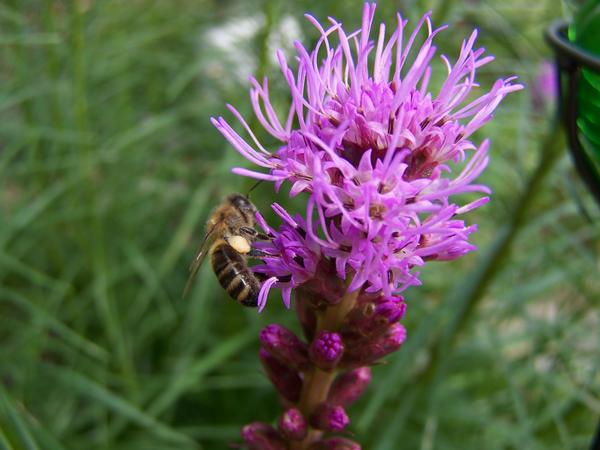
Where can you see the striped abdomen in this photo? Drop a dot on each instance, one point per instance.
(234, 275)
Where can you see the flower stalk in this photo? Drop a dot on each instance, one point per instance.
(379, 160)
(317, 383)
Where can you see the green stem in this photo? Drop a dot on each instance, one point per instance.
(318, 382)
(315, 390)
(333, 317)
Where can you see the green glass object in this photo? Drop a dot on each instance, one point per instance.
(585, 33)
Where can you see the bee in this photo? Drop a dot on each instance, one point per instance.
(228, 240)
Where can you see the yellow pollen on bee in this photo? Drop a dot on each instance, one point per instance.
(240, 244)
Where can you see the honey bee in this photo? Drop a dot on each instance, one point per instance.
(228, 240)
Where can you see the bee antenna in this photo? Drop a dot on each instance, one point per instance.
(254, 186)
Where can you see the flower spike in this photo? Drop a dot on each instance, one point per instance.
(383, 166)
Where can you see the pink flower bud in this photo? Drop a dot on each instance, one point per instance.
(326, 350)
(324, 288)
(306, 313)
(285, 379)
(369, 350)
(375, 315)
(328, 417)
(292, 425)
(349, 386)
(390, 309)
(285, 346)
(336, 443)
(261, 436)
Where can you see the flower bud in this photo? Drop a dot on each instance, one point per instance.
(328, 417)
(390, 309)
(370, 349)
(326, 350)
(285, 379)
(292, 425)
(336, 443)
(306, 313)
(324, 288)
(372, 316)
(285, 346)
(261, 436)
(349, 386)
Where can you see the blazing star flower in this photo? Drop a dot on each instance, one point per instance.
(375, 150)
(379, 158)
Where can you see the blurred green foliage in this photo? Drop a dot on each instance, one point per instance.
(109, 167)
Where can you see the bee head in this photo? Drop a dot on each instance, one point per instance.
(241, 202)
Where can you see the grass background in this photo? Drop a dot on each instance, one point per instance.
(109, 167)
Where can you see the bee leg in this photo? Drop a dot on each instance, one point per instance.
(249, 231)
(261, 276)
(256, 235)
(256, 253)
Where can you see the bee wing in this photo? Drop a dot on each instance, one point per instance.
(198, 259)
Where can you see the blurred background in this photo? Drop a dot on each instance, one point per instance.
(109, 167)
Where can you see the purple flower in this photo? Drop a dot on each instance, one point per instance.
(293, 256)
(378, 153)
(379, 158)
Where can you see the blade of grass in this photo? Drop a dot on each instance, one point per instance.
(30, 39)
(85, 387)
(23, 217)
(68, 335)
(4, 443)
(176, 246)
(188, 376)
(19, 424)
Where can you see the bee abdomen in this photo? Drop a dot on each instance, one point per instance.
(234, 275)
